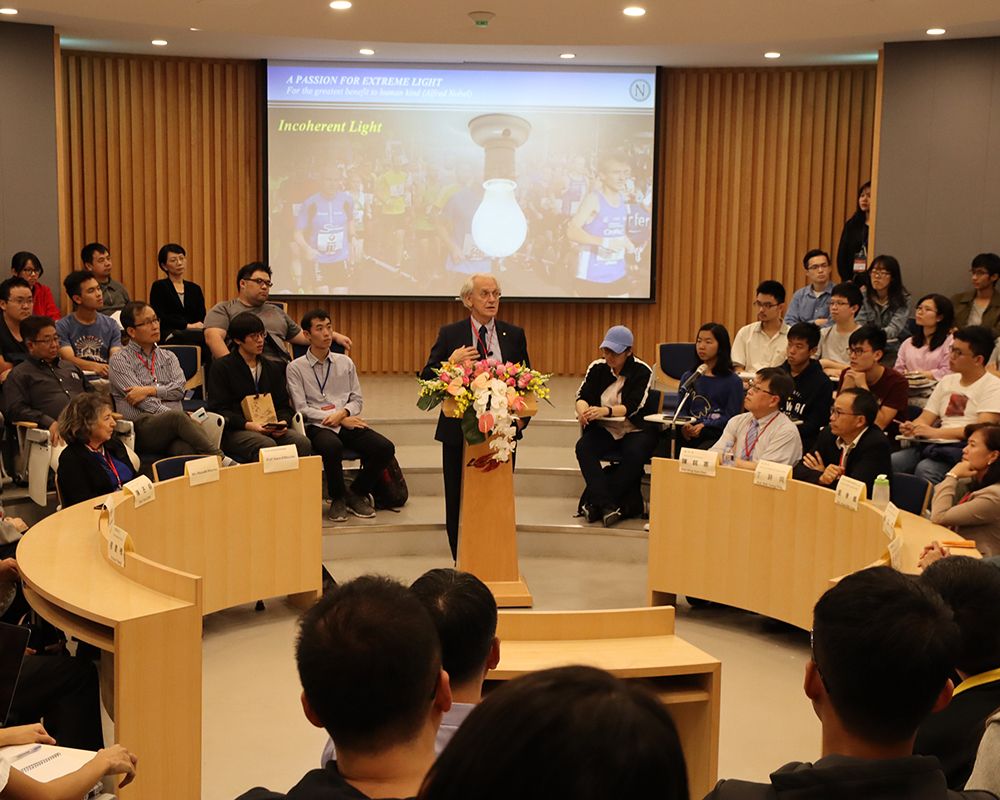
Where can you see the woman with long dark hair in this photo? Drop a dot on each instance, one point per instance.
(717, 392)
(886, 304)
(926, 354)
(967, 500)
(852, 252)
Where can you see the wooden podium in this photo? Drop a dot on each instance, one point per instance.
(487, 527)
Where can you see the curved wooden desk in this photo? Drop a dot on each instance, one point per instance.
(774, 552)
(193, 550)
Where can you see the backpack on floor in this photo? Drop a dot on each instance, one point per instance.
(390, 491)
(631, 504)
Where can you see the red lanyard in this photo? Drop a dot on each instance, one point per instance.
(748, 451)
(478, 338)
(150, 365)
(110, 463)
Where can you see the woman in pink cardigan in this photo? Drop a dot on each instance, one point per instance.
(968, 498)
(927, 351)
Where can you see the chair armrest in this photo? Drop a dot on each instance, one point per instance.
(298, 424)
(26, 425)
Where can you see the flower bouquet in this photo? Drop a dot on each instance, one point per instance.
(487, 396)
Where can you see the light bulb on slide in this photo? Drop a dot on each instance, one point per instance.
(498, 226)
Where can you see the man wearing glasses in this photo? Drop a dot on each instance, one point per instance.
(852, 444)
(147, 385)
(16, 302)
(763, 433)
(254, 284)
(967, 395)
(763, 343)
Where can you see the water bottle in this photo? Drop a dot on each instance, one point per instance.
(880, 491)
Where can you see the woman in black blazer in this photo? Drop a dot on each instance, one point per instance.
(179, 304)
(93, 463)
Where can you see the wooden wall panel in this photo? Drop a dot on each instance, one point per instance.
(757, 166)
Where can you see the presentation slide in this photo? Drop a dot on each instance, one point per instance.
(402, 180)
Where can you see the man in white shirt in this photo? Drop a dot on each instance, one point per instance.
(967, 395)
(835, 341)
(763, 343)
(763, 433)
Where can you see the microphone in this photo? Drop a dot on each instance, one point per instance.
(689, 383)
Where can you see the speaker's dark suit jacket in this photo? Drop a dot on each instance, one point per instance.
(869, 458)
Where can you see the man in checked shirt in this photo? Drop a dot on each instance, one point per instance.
(147, 385)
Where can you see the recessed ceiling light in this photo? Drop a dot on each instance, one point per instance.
(633, 11)
(194, 29)
(340, 5)
(159, 42)
(366, 51)
(772, 54)
(567, 55)
(936, 31)
(10, 12)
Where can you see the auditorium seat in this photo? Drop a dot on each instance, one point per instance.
(910, 493)
(171, 467)
(674, 359)
(189, 356)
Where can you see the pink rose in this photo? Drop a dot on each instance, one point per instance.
(486, 422)
(511, 382)
(511, 368)
(524, 380)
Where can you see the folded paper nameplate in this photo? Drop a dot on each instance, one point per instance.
(890, 519)
(117, 545)
(895, 551)
(699, 462)
(279, 459)
(772, 475)
(849, 493)
(142, 490)
(202, 470)
(199, 415)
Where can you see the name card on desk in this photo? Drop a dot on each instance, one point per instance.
(202, 470)
(890, 519)
(772, 475)
(142, 490)
(895, 551)
(698, 462)
(279, 459)
(849, 493)
(117, 545)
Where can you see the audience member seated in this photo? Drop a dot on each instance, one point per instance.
(465, 615)
(245, 373)
(981, 306)
(967, 395)
(763, 433)
(882, 656)
(38, 389)
(852, 250)
(891, 390)
(926, 354)
(716, 394)
(852, 444)
(96, 260)
(94, 463)
(615, 385)
(370, 666)
(325, 390)
(812, 303)
(886, 303)
(15, 302)
(254, 284)
(27, 265)
(967, 499)
(762, 343)
(972, 590)
(811, 398)
(570, 732)
(147, 385)
(834, 351)
(86, 338)
(178, 303)
(114, 760)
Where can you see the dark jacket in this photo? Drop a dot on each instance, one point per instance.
(81, 477)
(869, 458)
(317, 784)
(635, 392)
(852, 239)
(167, 305)
(963, 307)
(513, 348)
(810, 401)
(230, 380)
(908, 778)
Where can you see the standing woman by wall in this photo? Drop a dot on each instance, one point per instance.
(852, 252)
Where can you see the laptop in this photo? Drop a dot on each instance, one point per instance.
(13, 641)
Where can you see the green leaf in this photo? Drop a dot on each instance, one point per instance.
(470, 428)
(428, 401)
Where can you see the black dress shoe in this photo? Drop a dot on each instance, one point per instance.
(612, 517)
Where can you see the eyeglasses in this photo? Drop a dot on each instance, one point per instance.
(756, 387)
(979, 273)
(46, 340)
(264, 283)
(21, 301)
(153, 321)
(31, 271)
(879, 273)
(838, 303)
(765, 306)
(490, 295)
(836, 412)
(859, 351)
